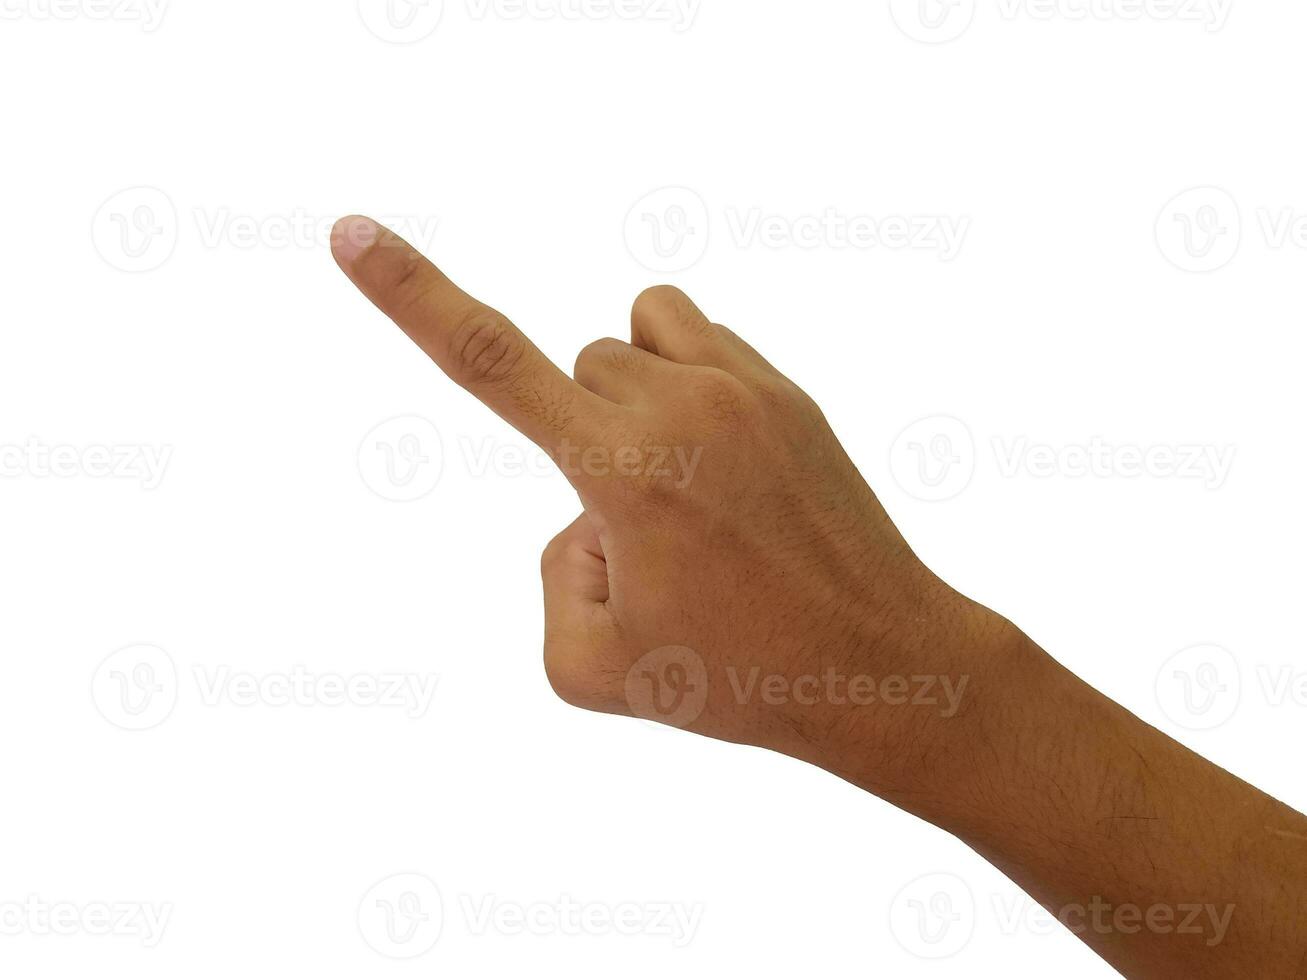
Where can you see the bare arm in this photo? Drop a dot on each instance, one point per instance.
(732, 574)
(1162, 862)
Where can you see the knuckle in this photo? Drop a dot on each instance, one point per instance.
(485, 347)
(725, 399)
(661, 301)
(570, 675)
(549, 558)
(556, 553)
(779, 394)
(604, 353)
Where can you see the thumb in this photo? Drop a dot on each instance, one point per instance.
(579, 626)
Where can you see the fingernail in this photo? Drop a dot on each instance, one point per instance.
(352, 235)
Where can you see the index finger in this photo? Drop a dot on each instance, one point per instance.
(478, 347)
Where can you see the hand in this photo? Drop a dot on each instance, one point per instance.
(731, 573)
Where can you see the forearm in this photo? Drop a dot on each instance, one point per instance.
(726, 603)
(1164, 863)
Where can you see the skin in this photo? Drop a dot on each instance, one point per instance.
(732, 574)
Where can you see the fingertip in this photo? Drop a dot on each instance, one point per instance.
(352, 236)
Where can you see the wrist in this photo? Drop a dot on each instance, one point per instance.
(977, 695)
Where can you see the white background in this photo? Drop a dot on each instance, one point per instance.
(519, 148)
